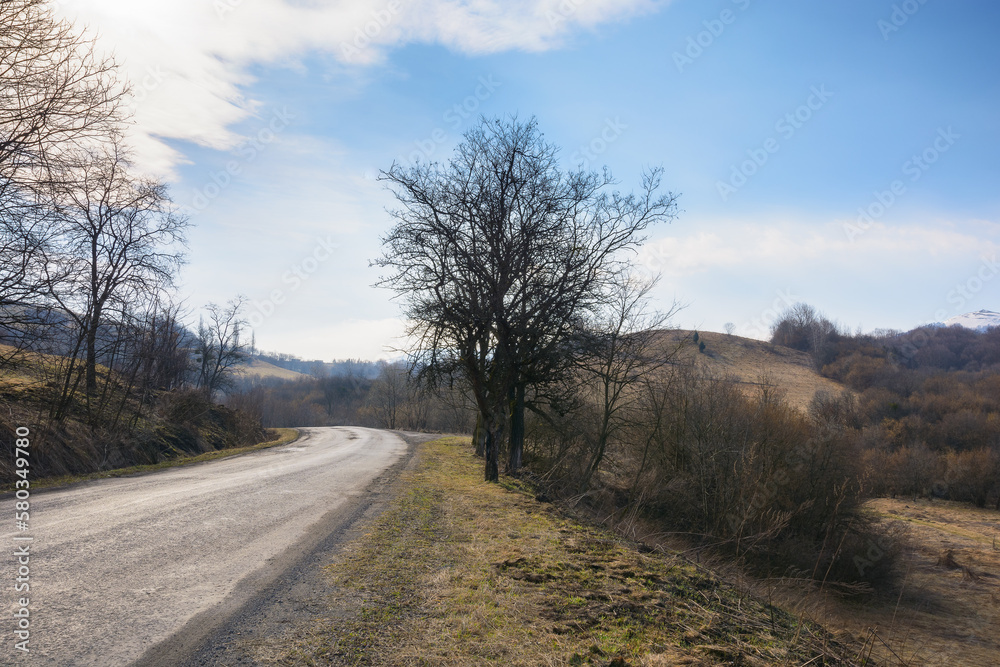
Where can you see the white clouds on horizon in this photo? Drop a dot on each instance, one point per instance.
(739, 244)
(189, 60)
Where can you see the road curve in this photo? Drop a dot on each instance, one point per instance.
(121, 565)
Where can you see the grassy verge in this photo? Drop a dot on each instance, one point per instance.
(285, 436)
(459, 572)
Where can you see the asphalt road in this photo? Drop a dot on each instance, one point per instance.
(122, 568)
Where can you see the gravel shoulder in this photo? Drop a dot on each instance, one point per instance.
(297, 595)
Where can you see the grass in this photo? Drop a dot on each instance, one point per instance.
(944, 614)
(284, 436)
(460, 572)
(748, 360)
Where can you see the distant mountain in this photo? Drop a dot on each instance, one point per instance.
(978, 321)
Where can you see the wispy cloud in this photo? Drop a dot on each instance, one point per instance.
(741, 244)
(190, 60)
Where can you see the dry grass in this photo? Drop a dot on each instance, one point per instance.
(948, 611)
(749, 360)
(264, 369)
(459, 572)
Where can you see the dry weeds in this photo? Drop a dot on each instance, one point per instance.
(458, 572)
(948, 611)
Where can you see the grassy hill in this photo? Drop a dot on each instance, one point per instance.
(750, 361)
(264, 369)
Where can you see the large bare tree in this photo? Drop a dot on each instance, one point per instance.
(57, 97)
(120, 242)
(499, 255)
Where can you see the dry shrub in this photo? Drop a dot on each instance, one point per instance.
(745, 472)
(973, 476)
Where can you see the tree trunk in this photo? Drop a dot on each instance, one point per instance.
(91, 364)
(493, 438)
(516, 453)
(479, 435)
(494, 426)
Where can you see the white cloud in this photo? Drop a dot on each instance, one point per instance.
(370, 340)
(737, 245)
(189, 60)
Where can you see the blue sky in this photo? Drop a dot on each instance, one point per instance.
(842, 154)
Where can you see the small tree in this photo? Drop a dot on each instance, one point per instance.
(221, 346)
(619, 350)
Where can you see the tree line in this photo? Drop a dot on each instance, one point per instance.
(89, 245)
(926, 403)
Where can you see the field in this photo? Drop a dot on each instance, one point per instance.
(948, 612)
(264, 369)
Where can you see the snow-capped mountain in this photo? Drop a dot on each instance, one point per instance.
(977, 321)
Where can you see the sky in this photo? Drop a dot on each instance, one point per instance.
(838, 154)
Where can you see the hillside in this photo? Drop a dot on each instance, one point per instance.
(751, 360)
(263, 369)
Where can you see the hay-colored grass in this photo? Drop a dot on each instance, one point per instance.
(460, 572)
(749, 360)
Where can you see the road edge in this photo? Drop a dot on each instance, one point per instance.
(207, 637)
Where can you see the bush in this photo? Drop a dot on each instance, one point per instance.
(748, 473)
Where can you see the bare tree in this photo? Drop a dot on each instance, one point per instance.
(221, 346)
(499, 255)
(56, 98)
(388, 395)
(119, 243)
(620, 350)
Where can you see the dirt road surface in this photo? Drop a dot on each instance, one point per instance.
(141, 570)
